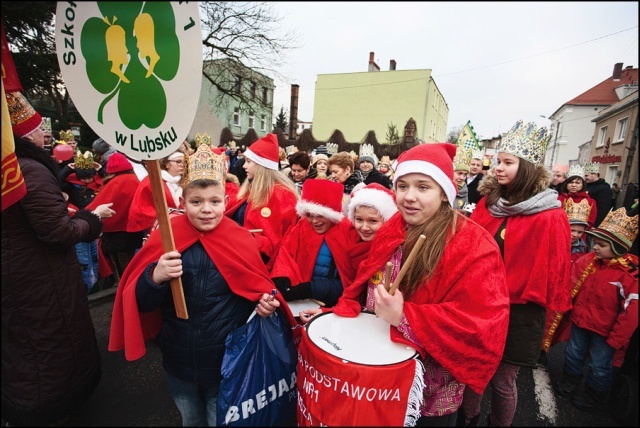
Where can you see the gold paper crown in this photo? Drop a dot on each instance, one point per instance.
(526, 142)
(577, 212)
(576, 171)
(289, 150)
(232, 144)
(67, 135)
(462, 159)
(204, 163)
(332, 148)
(592, 168)
(385, 160)
(623, 228)
(84, 161)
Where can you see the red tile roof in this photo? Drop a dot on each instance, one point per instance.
(604, 93)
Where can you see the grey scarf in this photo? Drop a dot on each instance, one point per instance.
(542, 201)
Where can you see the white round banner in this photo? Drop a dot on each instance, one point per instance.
(133, 70)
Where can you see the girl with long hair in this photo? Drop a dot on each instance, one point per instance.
(266, 202)
(452, 303)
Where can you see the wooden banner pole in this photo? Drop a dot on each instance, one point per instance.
(160, 203)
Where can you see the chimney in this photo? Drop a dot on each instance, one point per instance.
(293, 112)
(392, 65)
(372, 65)
(617, 72)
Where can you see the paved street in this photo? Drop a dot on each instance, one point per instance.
(135, 393)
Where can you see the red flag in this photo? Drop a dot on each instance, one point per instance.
(9, 74)
(13, 187)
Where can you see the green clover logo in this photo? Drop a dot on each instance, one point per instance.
(128, 51)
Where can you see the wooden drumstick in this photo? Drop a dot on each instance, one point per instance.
(412, 255)
(255, 230)
(387, 275)
(319, 302)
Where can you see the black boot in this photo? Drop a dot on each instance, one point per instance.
(567, 384)
(461, 421)
(589, 399)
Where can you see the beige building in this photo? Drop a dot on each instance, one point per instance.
(356, 103)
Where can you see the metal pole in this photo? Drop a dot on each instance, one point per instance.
(555, 143)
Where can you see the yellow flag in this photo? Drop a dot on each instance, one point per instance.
(13, 187)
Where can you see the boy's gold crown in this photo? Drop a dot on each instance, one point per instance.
(526, 142)
(578, 213)
(205, 163)
(621, 226)
(84, 161)
(67, 135)
(592, 168)
(576, 171)
(477, 154)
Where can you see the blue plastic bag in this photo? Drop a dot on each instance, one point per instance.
(259, 375)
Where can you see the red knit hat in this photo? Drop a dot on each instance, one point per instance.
(265, 152)
(118, 163)
(24, 119)
(321, 197)
(373, 195)
(432, 159)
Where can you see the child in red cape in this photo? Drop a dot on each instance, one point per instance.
(222, 277)
(452, 303)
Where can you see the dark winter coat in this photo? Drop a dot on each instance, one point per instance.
(50, 357)
(375, 176)
(192, 350)
(474, 196)
(600, 191)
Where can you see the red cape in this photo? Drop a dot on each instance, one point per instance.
(275, 219)
(230, 247)
(461, 315)
(142, 213)
(537, 255)
(119, 190)
(297, 255)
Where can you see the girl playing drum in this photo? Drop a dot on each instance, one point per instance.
(452, 304)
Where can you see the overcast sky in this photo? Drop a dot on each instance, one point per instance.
(493, 62)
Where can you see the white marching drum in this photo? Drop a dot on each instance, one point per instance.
(350, 373)
(363, 339)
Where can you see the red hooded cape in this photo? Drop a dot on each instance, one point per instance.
(232, 249)
(142, 213)
(461, 314)
(119, 190)
(297, 254)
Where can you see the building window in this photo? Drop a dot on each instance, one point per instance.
(621, 130)
(236, 116)
(238, 85)
(602, 136)
(263, 122)
(254, 88)
(265, 96)
(252, 119)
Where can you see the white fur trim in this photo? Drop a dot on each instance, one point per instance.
(427, 168)
(303, 207)
(267, 163)
(378, 199)
(176, 155)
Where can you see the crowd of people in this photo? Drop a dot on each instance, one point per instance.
(490, 265)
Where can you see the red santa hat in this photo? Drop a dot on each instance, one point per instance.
(118, 163)
(265, 152)
(432, 159)
(373, 195)
(321, 197)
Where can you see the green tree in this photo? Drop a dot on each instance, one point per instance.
(392, 134)
(281, 120)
